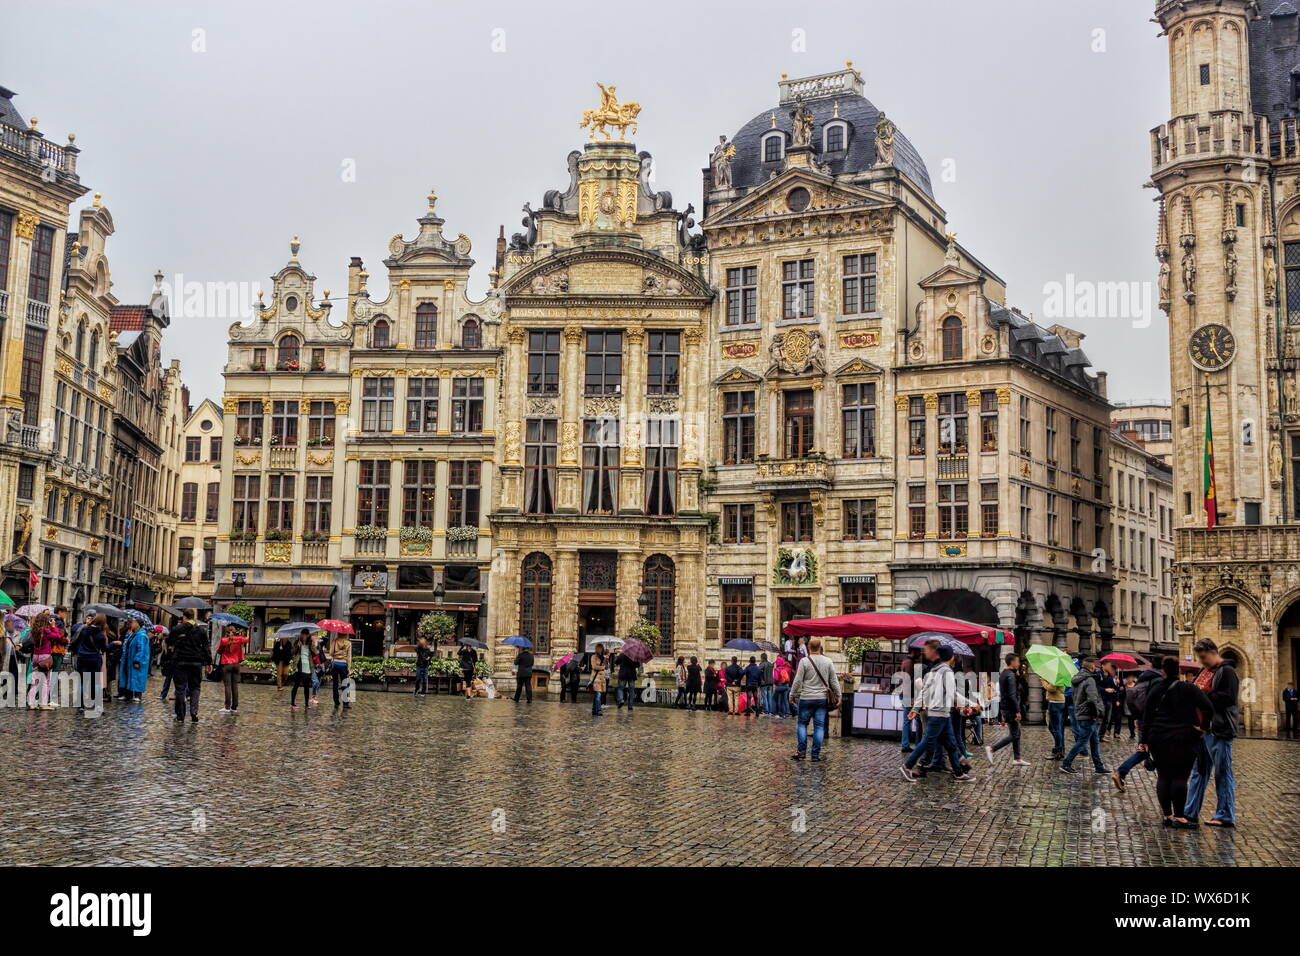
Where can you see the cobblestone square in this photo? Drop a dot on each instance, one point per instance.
(442, 780)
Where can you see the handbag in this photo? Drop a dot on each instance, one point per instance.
(832, 695)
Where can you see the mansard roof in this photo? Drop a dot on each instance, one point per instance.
(1043, 348)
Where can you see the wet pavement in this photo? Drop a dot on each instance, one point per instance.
(442, 780)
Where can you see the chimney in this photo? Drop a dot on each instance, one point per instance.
(501, 250)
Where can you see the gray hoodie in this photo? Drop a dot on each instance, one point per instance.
(1087, 695)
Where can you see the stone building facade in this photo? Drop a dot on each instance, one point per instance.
(1150, 423)
(1142, 547)
(38, 185)
(1227, 170)
(598, 518)
(202, 451)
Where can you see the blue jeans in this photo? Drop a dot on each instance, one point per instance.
(814, 710)
(315, 681)
(1216, 759)
(1086, 734)
(765, 691)
(1056, 724)
(167, 683)
(1131, 763)
(938, 739)
(421, 679)
(597, 701)
(907, 731)
(781, 700)
(628, 685)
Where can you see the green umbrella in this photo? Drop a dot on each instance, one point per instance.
(1051, 664)
(6, 600)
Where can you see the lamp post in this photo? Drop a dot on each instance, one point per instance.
(643, 604)
(237, 583)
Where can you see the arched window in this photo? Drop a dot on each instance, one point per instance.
(380, 337)
(93, 357)
(81, 339)
(835, 137)
(288, 352)
(658, 582)
(426, 326)
(471, 336)
(951, 338)
(773, 147)
(535, 601)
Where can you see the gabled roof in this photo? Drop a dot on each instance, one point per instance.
(128, 318)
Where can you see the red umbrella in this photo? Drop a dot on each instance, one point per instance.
(1127, 661)
(896, 626)
(338, 627)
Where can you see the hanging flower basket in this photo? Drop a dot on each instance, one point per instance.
(415, 534)
(465, 532)
(275, 534)
(369, 532)
(437, 627)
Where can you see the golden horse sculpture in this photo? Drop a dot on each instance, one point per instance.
(611, 112)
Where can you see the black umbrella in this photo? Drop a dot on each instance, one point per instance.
(471, 642)
(107, 610)
(195, 603)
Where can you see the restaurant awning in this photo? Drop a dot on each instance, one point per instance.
(896, 626)
(278, 595)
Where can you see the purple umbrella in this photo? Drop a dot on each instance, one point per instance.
(637, 651)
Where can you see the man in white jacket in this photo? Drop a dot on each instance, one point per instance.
(936, 694)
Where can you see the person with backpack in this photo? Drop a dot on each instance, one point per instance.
(281, 657)
(782, 674)
(815, 691)
(935, 696)
(424, 654)
(39, 637)
(1177, 717)
(571, 678)
(1135, 702)
(1089, 710)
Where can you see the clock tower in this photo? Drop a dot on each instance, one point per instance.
(1227, 170)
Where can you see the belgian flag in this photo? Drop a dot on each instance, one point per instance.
(1207, 475)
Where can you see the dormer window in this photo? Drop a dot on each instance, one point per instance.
(773, 147)
(835, 137)
(288, 352)
(471, 336)
(380, 337)
(952, 339)
(426, 326)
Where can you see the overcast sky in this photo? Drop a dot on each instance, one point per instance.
(212, 148)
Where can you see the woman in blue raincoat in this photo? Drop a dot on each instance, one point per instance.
(133, 669)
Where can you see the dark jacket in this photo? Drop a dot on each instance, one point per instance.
(627, 668)
(281, 651)
(1224, 688)
(424, 653)
(571, 672)
(1174, 711)
(190, 644)
(524, 661)
(732, 673)
(1088, 704)
(753, 676)
(89, 646)
(1008, 694)
(1135, 697)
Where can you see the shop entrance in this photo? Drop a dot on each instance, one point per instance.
(788, 609)
(367, 620)
(594, 619)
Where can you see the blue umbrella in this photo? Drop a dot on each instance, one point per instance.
(741, 644)
(221, 617)
(945, 640)
(293, 629)
(517, 640)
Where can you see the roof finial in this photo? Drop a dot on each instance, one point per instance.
(294, 246)
(433, 199)
(773, 119)
(97, 203)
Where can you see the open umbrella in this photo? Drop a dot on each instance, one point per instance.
(293, 629)
(611, 642)
(517, 640)
(636, 650)
(107, 610)
(767, 646)
(31, 610)
(1127, 661)
(6, 600)
(221, 617)
(1051, 664)
(472, 642)
(138, 616)
(741, 644)
(338, 627)
(193, 603)
(945, 640)
(561, 662)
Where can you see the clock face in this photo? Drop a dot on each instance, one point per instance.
(1212, 347)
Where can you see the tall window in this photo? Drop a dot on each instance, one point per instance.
(284, 422)
(535, 601)
(471, 334)
(212, 504)
(418, 491)
(381, 334)
(1026, 512)
(248, 423)
(858, 417)
(42, 263)
(373, 477)
(543, 362)
(952, 349)
(989, 509)
(604, 363)
(737, 524)
(742, 295)
(80, 346)
(426, 326)
(1049, 432)
(833, 138)
(797, 289)
(463, 494)
(194, 449)
(317, 503)
(288, 352)
(858, 597)
(954, 511)
(245, 498)
(859, 519)
(540, 450)
(796, 521)
(279, 502)
(859, 284)
(1074, 445)
(1291, 266)
(600, 465)
(773, 147)
(466, 406)
(658, 583)
(988, 421)
(663, 353)
(6, 239)
(209, 559)
(377, 404)
(737, 428)
(661, 466)
(189, 500)
(953, 424)
(422, 404)
(1051, 519)
(737, 611)
(92, 358)
(916, 426)
(1076, 527)
(1295, 475)
(798, 408)
(320, 423)
(32, 372)
(916, 511)
(1026, 428)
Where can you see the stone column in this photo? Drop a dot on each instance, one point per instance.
(626, 612)
(564, 603)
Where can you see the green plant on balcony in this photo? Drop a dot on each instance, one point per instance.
(240, 536)
(257, 367)
(369, 532)
(288, 365)
(410, 533)
(312, 537)
(464, 532)
(278, 534)
(242, 440)
(321, 441)
(318, 365)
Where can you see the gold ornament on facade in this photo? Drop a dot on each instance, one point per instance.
(931, 400)
(25, 225)
(1004, 396)
(511, 449)
(277, 552)
(621, 116)
(569, 442)
(901, 402)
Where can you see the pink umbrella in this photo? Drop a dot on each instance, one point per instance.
(1126, 661)
(338, 627)
(561, 662)
(637, 651)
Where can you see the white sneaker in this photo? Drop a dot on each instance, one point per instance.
(224, 710)
(1020, 763)
(988, 752)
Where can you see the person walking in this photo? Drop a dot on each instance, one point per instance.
(1129, 716)
(133, 667)
(765, 685)
(782, 675)
(1218, 679)
(599, 677)
(815, 691)
(303, 665)
(679, 675)
(40, 635)
(116, 638)
(732, 674)
(753, 684)
(1135, 703)
(166, 658)
(281, 657)
(1089, 709)
(192, 657)
(524, 673)
(1054, 695)
(694, 678)
(1112, 693)
(936, 695)
(88, 649)
(908, 667)
(1009, 711)
(230, 654)
(626, 690)
(1177, 719)
(424, 654)
(339, 652)
(711, 680)
(1290, 707)
(468, 658)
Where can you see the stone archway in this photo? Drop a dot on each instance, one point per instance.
(967, 606)
(1234, 621)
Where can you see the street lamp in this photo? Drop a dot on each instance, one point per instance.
(439, 592)
(237, 583)
(644, 603)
